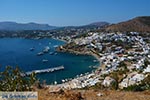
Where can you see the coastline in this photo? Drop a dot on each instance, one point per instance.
(71, 64)
(61, 49)
(59, 39)
(68, 84)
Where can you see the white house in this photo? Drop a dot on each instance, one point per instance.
(108, 81)
(147, 70)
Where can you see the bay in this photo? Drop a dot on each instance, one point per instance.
(16, 52)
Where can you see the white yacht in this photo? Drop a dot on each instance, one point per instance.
(40, 53)
(44, 60)
(46, 49)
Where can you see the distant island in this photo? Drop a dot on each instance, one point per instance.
(13, 26)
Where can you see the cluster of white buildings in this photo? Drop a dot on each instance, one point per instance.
(79, 82)
(131, 79)
(114, 48)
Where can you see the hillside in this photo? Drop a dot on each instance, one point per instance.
(99, 24)
(27, 26)
(88, 26)
(93, 95)
(139, 24)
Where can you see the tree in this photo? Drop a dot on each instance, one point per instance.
(12, 79)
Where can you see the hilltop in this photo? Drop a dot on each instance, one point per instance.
(138, 24)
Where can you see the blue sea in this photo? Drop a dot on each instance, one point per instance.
(16, 52)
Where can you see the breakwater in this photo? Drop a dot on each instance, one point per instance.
(45, 70)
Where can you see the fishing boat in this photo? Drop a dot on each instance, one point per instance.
(55, 82)
(55, 53)
(51, 53)
(40, 53)
(32, 49)
(46, 50)
(55, 46)
(95, 60)
(44, 60)
(93, 67)
(63, 81)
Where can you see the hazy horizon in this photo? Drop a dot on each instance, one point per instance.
(72, 12)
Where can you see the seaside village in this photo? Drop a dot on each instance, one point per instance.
(124, 58)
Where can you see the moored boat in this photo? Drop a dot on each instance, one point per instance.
(51, 53)
(55, 46)
(44, 60)
(46, 49)
(40, 53)
(32, 49)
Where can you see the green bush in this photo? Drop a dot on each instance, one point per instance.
(133, 88)
(97, 86)
(114, 85)
(12, 79)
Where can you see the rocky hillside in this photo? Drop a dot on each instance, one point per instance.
(139, 24)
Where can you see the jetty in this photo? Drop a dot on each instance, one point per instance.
(45, 70)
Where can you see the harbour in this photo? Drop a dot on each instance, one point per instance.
(29, 56)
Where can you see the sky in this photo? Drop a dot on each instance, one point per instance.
(72, 12)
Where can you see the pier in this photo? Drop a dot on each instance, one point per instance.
(45, 70)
